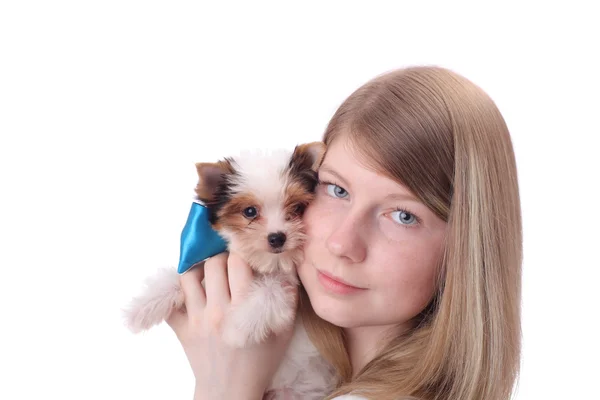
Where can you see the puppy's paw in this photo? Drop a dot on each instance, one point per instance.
(281, 394)
(269, 308)
(280, 306)
(161, 295)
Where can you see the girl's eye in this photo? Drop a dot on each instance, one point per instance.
(336, 191)
(404, 217)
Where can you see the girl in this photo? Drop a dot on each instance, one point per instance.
(412, 273)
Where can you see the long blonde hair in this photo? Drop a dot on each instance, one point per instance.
(443, 137)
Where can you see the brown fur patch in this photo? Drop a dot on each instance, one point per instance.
(308, 156)
(231, 213)
(298, 196)
(209, 177)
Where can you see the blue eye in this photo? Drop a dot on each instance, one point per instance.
(336, 191)
(404, 217)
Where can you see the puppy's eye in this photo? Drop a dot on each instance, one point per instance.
(296, 211)
(250, 212)
(299, 209)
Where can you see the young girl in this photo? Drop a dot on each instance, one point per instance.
(412, 273)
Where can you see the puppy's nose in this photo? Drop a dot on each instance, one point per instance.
(276, 240)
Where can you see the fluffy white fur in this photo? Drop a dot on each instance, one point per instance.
(161, 296)
(268, 308)
(269, 304)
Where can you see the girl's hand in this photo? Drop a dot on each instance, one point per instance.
(222, 371)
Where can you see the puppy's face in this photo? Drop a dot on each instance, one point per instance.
(256, 202)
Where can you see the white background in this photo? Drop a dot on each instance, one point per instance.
(106, 105)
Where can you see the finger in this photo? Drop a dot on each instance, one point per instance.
(216, 280)
(191, 284)
(240, 277)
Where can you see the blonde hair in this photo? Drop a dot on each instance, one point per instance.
(441, 136)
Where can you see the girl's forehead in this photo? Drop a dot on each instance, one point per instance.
(346, 163)
(343, 150)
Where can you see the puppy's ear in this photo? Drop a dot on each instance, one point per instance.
(308, 156)
(210, 175)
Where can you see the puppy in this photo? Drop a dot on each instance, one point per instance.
(256, 202)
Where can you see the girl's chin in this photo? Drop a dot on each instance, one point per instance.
(343, 317)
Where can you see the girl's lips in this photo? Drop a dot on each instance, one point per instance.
(336, 285)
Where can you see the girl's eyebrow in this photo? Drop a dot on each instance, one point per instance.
(403, 196)
(329, 170)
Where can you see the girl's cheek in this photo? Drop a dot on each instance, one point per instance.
(318, 204)
(320, 214)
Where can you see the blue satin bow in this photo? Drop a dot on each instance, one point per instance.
(199, 240)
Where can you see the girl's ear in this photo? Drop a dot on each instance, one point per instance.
(210, 175)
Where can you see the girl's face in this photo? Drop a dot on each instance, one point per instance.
(372, 250)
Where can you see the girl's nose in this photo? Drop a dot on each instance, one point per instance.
(346, 241)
